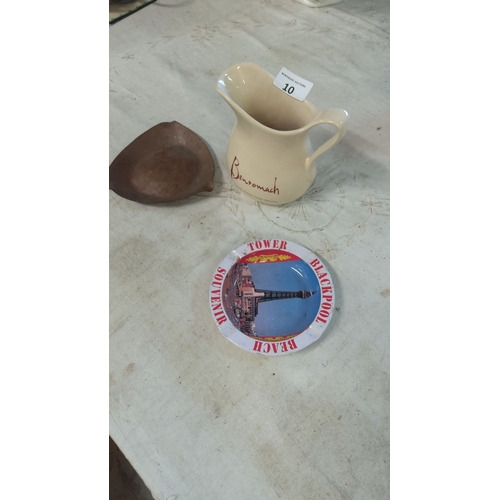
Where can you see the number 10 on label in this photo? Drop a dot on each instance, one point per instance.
(292, 84)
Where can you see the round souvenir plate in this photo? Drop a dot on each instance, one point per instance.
(272, 297)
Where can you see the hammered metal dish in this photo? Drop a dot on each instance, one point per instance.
(169, 162)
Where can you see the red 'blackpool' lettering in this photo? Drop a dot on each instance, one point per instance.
(325, 308)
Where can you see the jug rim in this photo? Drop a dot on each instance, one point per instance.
(315, 112)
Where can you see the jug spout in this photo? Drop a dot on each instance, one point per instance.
(250, 92)
(225, 92)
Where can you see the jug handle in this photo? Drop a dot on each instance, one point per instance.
(335, 117)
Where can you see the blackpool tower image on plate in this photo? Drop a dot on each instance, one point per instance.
(273, 300)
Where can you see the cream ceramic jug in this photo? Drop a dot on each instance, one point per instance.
(269, 155)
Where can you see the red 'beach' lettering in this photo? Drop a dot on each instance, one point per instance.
(267, 347)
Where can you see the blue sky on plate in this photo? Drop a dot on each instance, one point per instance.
(286, 316)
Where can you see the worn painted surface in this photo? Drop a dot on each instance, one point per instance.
(197, 417)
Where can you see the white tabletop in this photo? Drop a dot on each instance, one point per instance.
(198, 417)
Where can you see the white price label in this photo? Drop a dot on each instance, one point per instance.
(292, 84)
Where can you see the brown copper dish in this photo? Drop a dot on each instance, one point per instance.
(167, 163)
